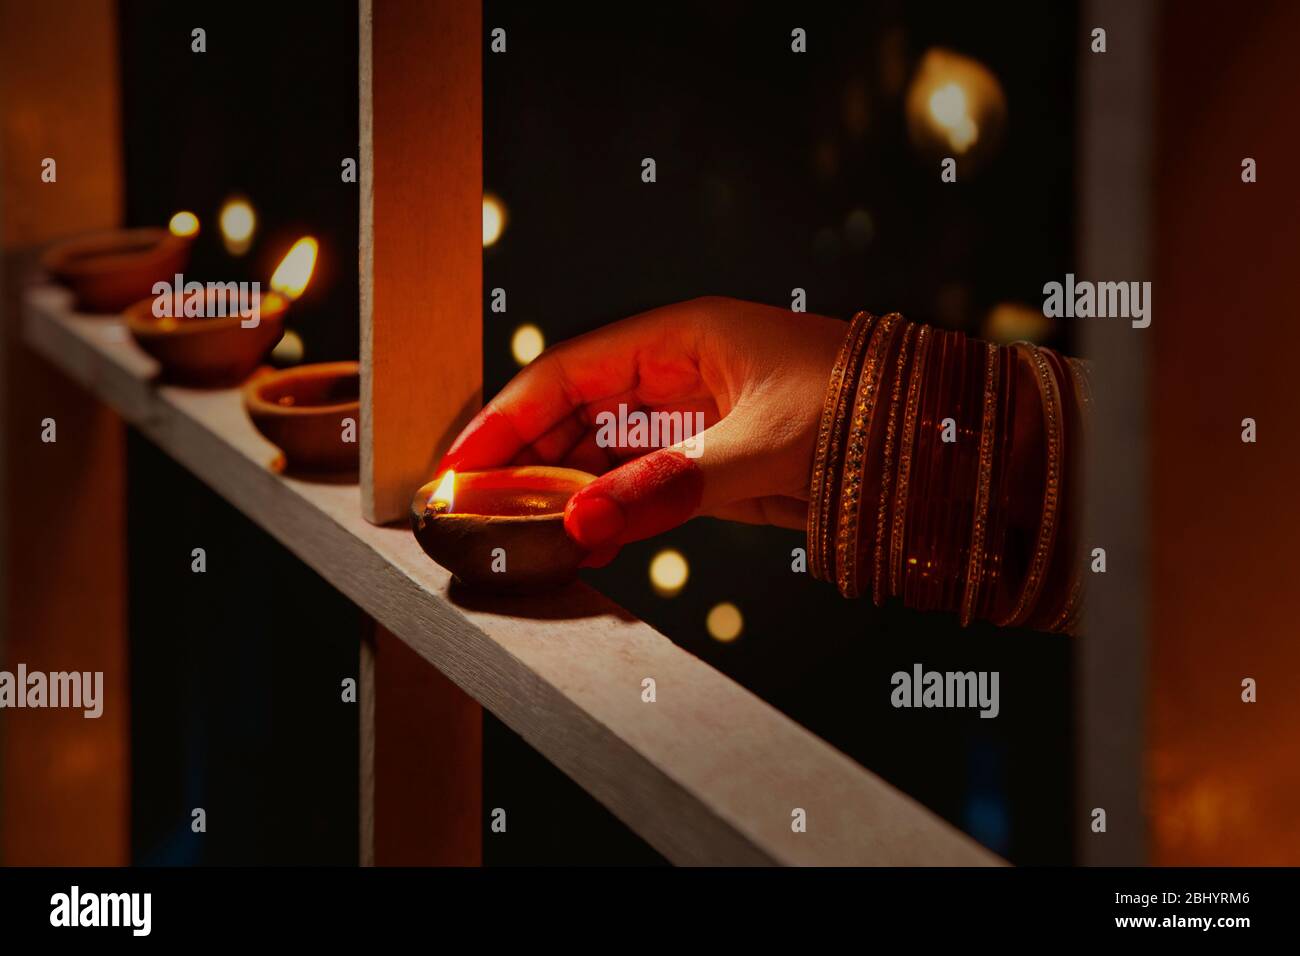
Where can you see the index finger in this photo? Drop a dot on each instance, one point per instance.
(560, 382)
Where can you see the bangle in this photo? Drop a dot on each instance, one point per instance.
(852, 490)
(827, 454)
(878, 580)
(905, 455)
(983, 484)
(1050, 397)
(983, 527)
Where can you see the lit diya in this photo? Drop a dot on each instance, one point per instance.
(107, 271)
(217, 334)
(311, 413)
(501, 529)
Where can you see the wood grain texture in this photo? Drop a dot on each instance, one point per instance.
(1224, 774)
(64, 780)
(1117, 106)
(421, 240)
(707, 775)
(428, 762)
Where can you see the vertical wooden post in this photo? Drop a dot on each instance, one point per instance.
(64, 779)
(421, 380)
(1225, 523)
(425, 762)
(1117, 101)
(421, 240)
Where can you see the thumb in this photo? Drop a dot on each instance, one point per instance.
(651, 494)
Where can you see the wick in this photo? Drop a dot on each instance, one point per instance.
(439, 507)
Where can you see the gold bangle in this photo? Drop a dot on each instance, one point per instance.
(845, 363)
(887, 467)
(906, 449)
(979, 525)
(864, 406)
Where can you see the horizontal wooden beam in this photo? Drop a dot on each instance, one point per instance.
(709, 774)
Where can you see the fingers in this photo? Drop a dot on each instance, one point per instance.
(659, 491)
(562, 381)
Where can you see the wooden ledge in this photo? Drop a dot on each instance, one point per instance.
(709, 774)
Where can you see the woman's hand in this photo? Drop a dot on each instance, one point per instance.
(757, 373)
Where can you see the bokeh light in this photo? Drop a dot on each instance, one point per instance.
(725, 622)
(289, 350)
(1009, 322)
(184, 223)
(668, 572)
(955, 108)
(238, 223)
(494, 219)
(527, 343)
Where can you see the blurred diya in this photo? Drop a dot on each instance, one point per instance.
(501, 529)
(216, 335)
(207, 352)
(311, 413)
(107, 271)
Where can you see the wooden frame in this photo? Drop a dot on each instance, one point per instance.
(707, 774)
(421, 240)
(59, 99)
(1115, 131)
(421, 265)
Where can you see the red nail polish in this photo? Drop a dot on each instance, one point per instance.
(594, 520)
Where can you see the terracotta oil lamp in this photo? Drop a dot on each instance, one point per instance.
(207, 353)
(311, 413)
(219, 351)
(501, 529)
(107, 271)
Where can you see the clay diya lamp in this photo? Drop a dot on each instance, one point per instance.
(501, 529)
(222, 345)
(207, 352)
(108, 271)
(311, 413)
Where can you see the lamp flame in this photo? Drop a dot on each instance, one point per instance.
(294, 271)
(444, 496)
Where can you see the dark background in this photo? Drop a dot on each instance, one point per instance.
(769, 163)
(762, 157)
